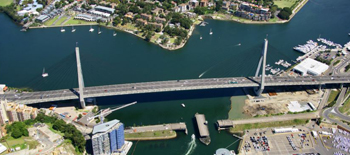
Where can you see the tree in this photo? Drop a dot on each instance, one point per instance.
(80, 116)
(283, 15)
(148, 36)
(218, 5)
(200, 10)
(178, 40)
(116, 22)
(16, 133)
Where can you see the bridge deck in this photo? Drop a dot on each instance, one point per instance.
(173, 85)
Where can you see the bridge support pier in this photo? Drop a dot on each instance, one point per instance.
(80, 79)
(263, 62)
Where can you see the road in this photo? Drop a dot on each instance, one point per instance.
(173, 85)
(335, 110)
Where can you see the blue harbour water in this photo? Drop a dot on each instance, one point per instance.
(126, 58)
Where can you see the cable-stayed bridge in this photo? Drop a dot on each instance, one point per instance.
(258, 81)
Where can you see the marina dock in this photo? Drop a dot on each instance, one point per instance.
(203, 128)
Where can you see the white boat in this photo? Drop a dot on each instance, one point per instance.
(114, 34)
(211, 32)
(73, 29)
(63, 30)
(44, 74)
(183, 105)
(200, 38)
(91, 29)
(99, 31)
(349, 34)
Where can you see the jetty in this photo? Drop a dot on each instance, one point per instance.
(150, 128)
(203, 128)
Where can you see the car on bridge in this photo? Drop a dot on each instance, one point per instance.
(232, 82)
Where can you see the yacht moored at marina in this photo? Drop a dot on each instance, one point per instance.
(309, 46)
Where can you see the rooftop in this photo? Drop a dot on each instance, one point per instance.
(105, 8)
(100, 128)
(311, 66)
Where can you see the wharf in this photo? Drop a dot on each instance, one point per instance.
(203, 128)
(224, 124)
(150, 128)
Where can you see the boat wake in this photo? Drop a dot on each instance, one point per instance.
(192, 145)
(206, 71)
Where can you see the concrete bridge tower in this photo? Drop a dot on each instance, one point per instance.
(80, 79)
(263, 61)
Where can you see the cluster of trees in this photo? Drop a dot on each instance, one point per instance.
(60, 4)
(71, 133)
(179, 18)
(328, 62)
(347, 68)
(175, 32)
(285, 13)
(200, 10)
(17, 130)
(10, 10)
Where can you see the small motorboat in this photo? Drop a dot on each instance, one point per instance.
(63, 30)
(91, 29)
(200, 38)
(114, 34)
(183, 105)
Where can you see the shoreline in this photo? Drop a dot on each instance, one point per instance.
(183, 43)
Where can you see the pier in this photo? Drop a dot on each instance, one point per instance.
(203, 128)
(225, 124)
(150, 128)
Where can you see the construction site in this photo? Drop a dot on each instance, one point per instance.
(281, 101)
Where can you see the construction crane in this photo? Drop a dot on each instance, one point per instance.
(104, 112)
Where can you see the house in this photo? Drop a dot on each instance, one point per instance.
(173, 3)
(193, 3)
(234, 6)
(183, 8)
(141, 22)
(226, 5)
(156, 25)
(129, 15)
(203, 3)
(177, 9)
(160, 20)
(146, 16)
(157, 11)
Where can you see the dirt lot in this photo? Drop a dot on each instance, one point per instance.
(278, 103)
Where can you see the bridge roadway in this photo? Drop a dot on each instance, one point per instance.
(173, 85)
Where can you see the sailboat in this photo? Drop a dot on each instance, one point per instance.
(211, 32)
(44, 74)
(99, 31)
(91, 29)
(63, 30)
(73, 29)
(200, 38)
(114, 33)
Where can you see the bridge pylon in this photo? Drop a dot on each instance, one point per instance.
(262, 62)
(80, 79)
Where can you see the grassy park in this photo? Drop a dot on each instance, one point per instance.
(5, 2)
(284, 3)
(242, 127)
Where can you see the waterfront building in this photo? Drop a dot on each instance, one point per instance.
(3, 115)
(42, 18)
(108, 138)
(104, 9)
(85, 17)
(311, 67)
(183, 8)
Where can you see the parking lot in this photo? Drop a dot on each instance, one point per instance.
(264, 141)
